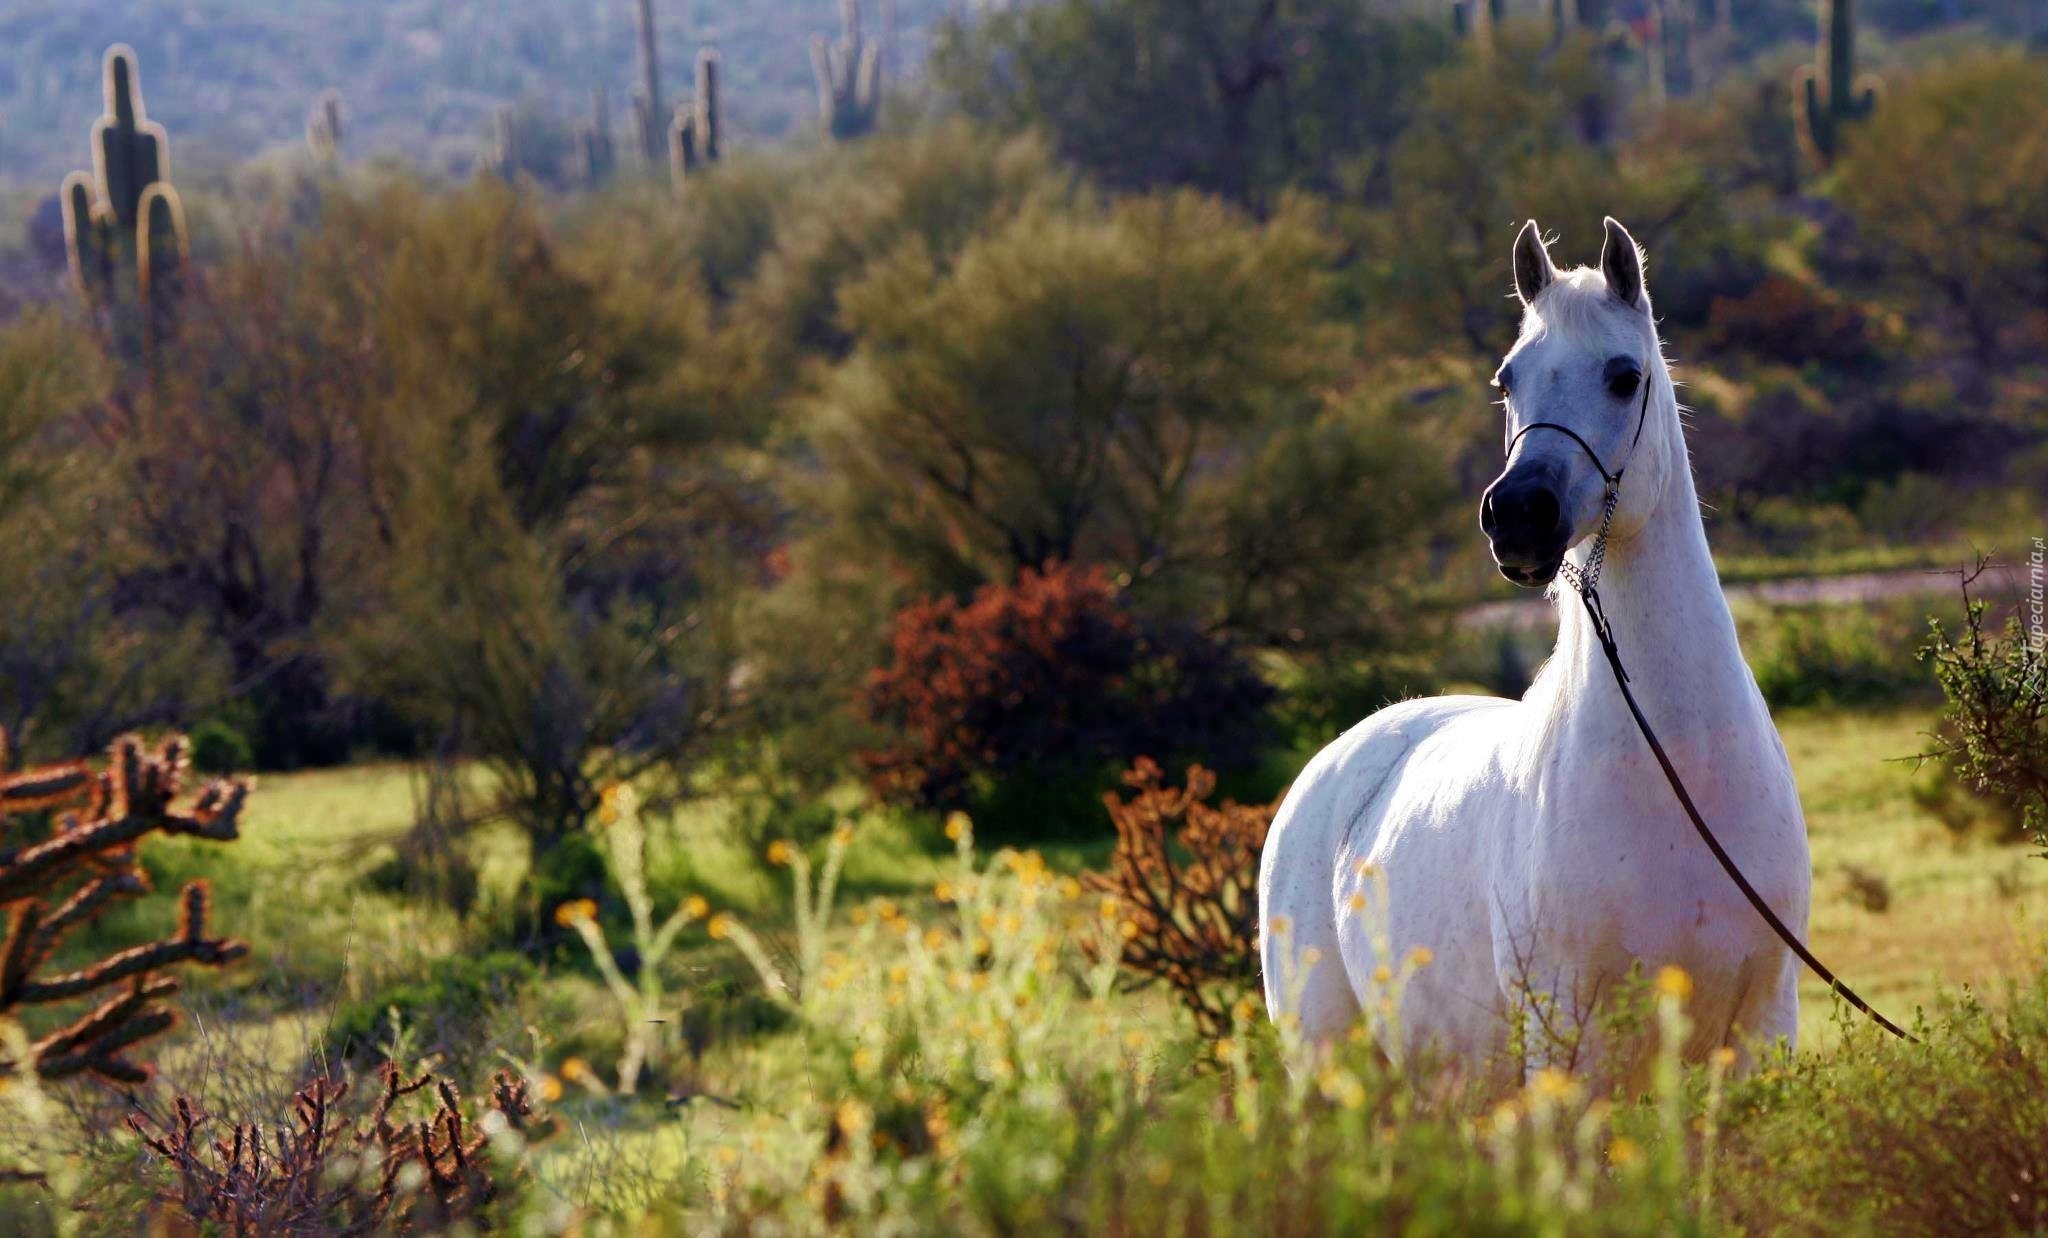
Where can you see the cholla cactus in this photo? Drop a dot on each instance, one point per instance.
(1182, 887)
(849, 78)
(1829, 95)
(51, 886)
(326, 1170)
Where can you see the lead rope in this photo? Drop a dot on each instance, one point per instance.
(1585, 582)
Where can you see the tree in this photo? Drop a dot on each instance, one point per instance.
(1238, 97)
(1948, 185)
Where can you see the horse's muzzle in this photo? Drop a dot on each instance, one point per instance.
(1523, 517)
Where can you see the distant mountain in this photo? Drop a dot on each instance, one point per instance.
(418, 78)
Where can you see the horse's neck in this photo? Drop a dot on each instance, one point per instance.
(1663, 597)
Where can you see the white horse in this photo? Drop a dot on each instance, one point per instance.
(1533, 847)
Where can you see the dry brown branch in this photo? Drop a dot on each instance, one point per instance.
(84, 860)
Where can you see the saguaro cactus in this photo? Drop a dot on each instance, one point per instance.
(89, 239)
(160, 258)
(127, 208)
(1829, 93)
(647, 105)
(849, 78)
(695, 134)
(323, 128)
(130, 151)
(594, 141)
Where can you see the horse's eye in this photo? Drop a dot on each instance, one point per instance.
(1624, 384)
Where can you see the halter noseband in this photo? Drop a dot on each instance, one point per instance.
(1585, 580)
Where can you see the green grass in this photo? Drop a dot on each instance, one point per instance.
(1120, 1072)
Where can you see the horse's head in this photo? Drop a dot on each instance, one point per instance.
(1576, 377)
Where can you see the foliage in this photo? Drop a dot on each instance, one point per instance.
(1230, 96)
(564, 531)
(1182, 886)
(218, 748)
(80, 856)
(1051, 674)
(1995, 726)
(329, 1171)
(440, 1012)
(1947, 187)
(1821, 655)
(1885, 1137)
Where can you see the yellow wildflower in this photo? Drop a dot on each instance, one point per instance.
(1673, 982)
(781, 852)
(1622, 1151)
(696, 907)
(1422, 956)
(550, 1089)
(957, 826)
(574, 911)
(721, 924)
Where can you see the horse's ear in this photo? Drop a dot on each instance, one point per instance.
(1622, 263)
(1533, 271)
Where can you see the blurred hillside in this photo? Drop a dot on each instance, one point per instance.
(419, 78)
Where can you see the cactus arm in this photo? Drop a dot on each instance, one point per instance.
(85, 239)
(710, 123)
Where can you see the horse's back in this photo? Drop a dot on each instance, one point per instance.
(1319, 824)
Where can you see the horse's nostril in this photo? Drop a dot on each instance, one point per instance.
(1541, 509)
(1488, 522)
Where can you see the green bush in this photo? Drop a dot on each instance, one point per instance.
(218, 748)
(1836, 655)
(445, 1009)
(1879, 1136)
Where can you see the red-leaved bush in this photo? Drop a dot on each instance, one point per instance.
(1051, 674)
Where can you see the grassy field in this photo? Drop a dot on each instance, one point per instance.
(1910, 909)
(1955, 906)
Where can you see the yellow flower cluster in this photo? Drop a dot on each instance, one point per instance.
(575, 911)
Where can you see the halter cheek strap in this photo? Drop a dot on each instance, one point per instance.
(1585, 580)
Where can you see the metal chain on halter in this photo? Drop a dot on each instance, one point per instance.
(1587, 579)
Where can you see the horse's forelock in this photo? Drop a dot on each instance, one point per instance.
(1577, 304)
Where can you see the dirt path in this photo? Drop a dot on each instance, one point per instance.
(1533, 612)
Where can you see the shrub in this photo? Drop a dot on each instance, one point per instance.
(218, 748)
(80, 858)
(322, 1171)
(449, 1002)
(1184, 880)
(1995, 725)
(1879, 1136)
(1048, 676)
(1791, 322)
(1832, 655)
